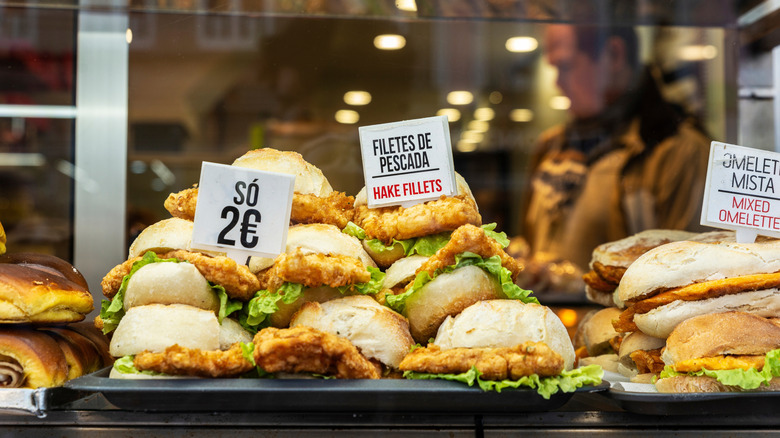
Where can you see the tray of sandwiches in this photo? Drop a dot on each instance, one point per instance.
(366, 309)
(691, 325)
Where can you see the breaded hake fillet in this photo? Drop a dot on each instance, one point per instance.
(444, 214)
(314, 269)
(493, 363)
(469, 238)
(335, 209)
(239, 282)
(303, 349)
(182, 361)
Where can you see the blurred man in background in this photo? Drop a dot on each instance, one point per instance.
(626, 161)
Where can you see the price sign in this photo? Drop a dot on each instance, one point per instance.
(742, 191)
(242, 212)
(409, 162)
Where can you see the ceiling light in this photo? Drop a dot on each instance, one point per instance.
(406, 5)
(521, 115)
(357, 97)
(347, 117)
(474, 136)
(466, 146)
(697, 52)
(460, 97)
(452, 114)
(478, 126)
(521, 44)
(389, 42)
(484, 114)
(560, 103)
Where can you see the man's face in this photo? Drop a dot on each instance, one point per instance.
(580, 78)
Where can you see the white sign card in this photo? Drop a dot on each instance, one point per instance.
(409, 162)
(742, 191)
(242, 212)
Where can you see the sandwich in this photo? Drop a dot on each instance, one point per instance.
(680, 280)
(380, 334)
(471, 266)
(501, 344)
(391, 233)
(320, 263)
(314, 200)
(599, 341)
(722, 352)
(168, 294)
(610, 260)
(352, 337)
(639, 357)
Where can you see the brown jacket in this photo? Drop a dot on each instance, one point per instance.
(628, 189)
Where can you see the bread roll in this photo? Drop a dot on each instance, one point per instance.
(230, 332)
(156, 326)
(688, 384)
(598, 331)
(166, 235)
(506, 323)
(660, 321)
(378, 332)
(730, 333)
(30, 295)
(681, 263)
(448, 294)
(608, 362)
(632, 342)
(170, 283)
(402, 271)
(30, 359)
(80, 353)
(308, 178)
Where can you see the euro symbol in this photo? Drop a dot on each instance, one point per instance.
(249, 228)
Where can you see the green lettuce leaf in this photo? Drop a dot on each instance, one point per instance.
(226, 305)
(491, 265)
(247, 351)
(499, 237)
(745, 379)
(373, 286)
(354, 230)
(254, 315)
(125, 365)
(567, 381)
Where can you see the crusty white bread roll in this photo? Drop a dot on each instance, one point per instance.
(170, 283)
(156, 326)
(30, 359)
(317, 238)
(165, 235)
(39, 296)
(730, 333)
(402, 271)
(281, 318)
(506, 323)
(597, 331)
(230, 332)
(448, 294)
(632, 342)
(681, 263)
(719, 341)
(308, 178)
(660, 321)
(116, 374)
(609, 362)
(378, 332)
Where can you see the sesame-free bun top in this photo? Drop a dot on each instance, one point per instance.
(730, 333)
(378, 332)
(170, 283)
(681, 263)
(460, 182)
(309, 179)
(166, 235)
(317, 238)
(597, 330)
(506, 323)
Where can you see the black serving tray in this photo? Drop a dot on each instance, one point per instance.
(315, 395)
(712, 403)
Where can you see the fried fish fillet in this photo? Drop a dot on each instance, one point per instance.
(648, 361)
(493, 363)
(444, 214)
(335, 209)
(303, 349)
(314, 269)
(469, 238)
(182, 361)
(239, 282)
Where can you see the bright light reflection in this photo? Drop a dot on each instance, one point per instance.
(357, 97)
(560, 103)
(460, 97)
(347, 117)
(484, 114)
(406, 5)
(452, 114)
(697, 53)
(389, 42)
(466, 146)
(521, 44)
(478, 126)
(521, 115)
